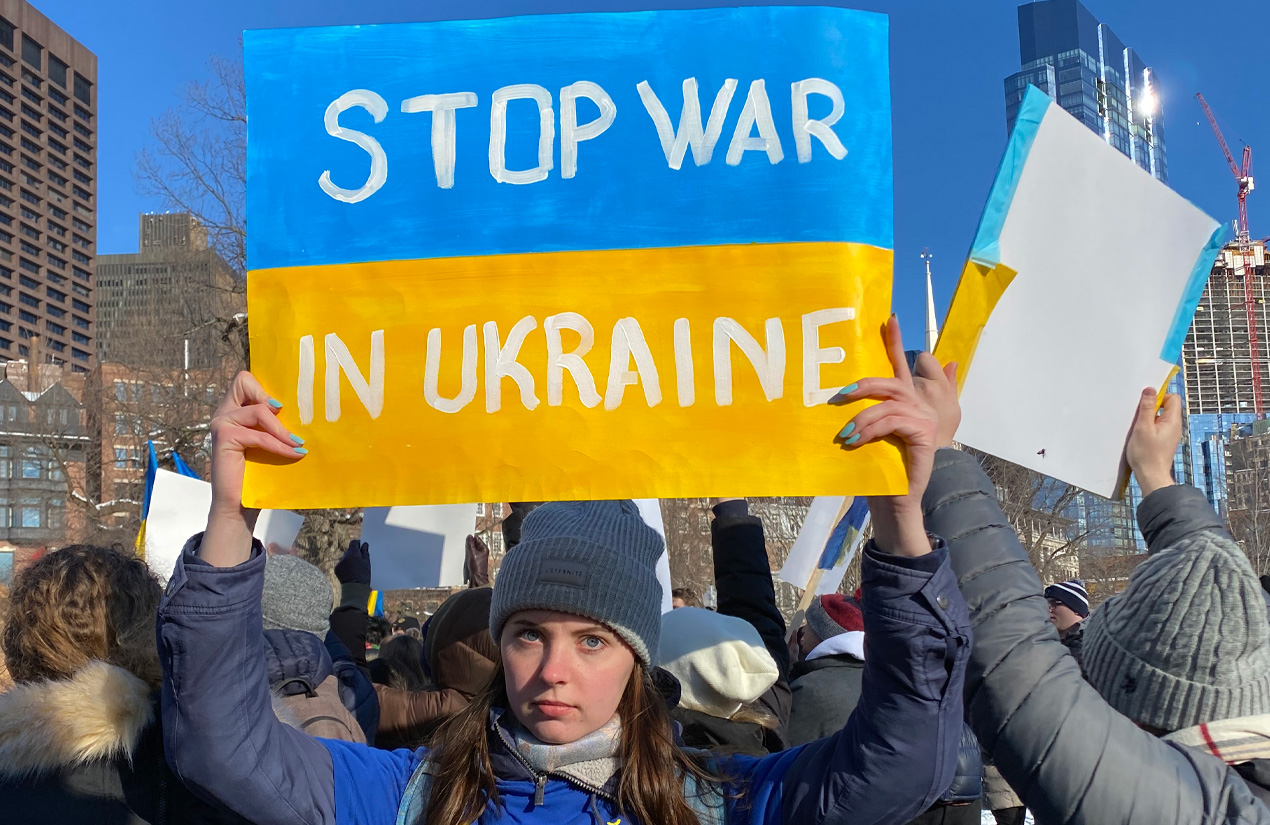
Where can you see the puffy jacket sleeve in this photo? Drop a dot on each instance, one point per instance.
(220, 735)
(743, 576)
(1069, 756)
(898, 751)
(1170, 514)
(407, 716)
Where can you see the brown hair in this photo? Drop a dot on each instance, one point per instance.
(78, 604)
(403, 656)
(650, 784)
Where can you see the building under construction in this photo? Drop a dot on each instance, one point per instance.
(1224, 363)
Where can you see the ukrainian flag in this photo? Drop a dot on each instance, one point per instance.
(152, 467)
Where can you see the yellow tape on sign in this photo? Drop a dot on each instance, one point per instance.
(681, 372)
(977, 293)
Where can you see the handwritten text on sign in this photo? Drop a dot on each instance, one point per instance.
(619, 320)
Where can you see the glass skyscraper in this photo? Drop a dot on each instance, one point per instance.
(1081, 64)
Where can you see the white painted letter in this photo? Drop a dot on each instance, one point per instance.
(690, 134)
(304, 381)
(571, 134)
(432, 368)
(814, 355)
(683, 363)
(558, 360)
(378, 109)
(369, 392)
(770, 365)
(758, 110)
(804, 127)
(628, 340)
(443, 128)
(498, 133)
(500, 363)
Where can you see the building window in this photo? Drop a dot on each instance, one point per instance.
(6, 34)
(480, 509)
(6, 512)
(30, 513)
(83, 91)
(32, 468)
(32, 53)
(121, 458)
(57, 71)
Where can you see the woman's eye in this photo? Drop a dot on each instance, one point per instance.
(593, 642)
(530, 635)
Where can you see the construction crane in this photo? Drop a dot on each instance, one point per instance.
(1243, 254)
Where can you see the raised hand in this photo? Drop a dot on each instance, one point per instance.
(246, 420)
(1153, 441)
(354, 566)
(921, 412)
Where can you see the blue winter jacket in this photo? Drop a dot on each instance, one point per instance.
(893, 759)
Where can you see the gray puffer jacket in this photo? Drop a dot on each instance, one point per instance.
(1067, 753)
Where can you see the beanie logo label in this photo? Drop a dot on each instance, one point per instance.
(560, 571)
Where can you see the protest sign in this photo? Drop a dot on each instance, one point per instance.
(178, 510)
(1079, 289)
(829, 539)
(417, 546)
(570, 256)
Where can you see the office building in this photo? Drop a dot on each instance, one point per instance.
(48, 191)
(1081, 63)
(169, 304)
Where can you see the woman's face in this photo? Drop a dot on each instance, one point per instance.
(565, 674)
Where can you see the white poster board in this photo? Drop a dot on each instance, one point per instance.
(805, 554)
(650, 511)
(419, 546)
(1110, 264)
(178, 510)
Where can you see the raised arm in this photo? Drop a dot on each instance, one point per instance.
(1068, 754)
(898, 751)
(220, 734)
(743, 576)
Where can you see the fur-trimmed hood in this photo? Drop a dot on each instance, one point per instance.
(99, 713)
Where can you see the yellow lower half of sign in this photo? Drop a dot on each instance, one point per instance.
(682, 372)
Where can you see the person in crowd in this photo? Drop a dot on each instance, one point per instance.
(346, 638)
(404, 625)
(296, 605)
(723, 668)
(571, 729)
(1069, 607)
(80, 737)
(1184, 649)
(462, 659)
(378, 630)
(401, 660)
(684, 597)
(826, 684)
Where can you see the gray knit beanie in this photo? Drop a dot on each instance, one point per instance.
(596, 559)
(297, 596)
(1187, 642)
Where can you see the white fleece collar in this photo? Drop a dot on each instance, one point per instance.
(851, 643)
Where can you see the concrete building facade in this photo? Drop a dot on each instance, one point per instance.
(48, 191)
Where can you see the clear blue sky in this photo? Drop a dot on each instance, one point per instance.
(948, 61)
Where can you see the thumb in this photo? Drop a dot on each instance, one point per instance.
(1146, 409)
(950, 372)
(1172, 410)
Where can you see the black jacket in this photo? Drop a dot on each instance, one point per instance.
(89, 751)
(825, 691)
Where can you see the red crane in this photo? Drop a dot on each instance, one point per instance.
(1243, 176)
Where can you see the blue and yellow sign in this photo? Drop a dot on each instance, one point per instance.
(570, 256)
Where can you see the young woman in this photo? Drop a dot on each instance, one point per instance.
(571, 729)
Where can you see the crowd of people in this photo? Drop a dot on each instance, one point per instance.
(248, 691)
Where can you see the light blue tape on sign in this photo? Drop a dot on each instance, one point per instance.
(986, 248)
(1172, 351)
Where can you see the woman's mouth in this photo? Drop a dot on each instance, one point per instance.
(553, 709)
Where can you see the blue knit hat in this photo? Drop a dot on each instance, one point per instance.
(596, 559)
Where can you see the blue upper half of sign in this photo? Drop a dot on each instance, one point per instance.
(551, 127)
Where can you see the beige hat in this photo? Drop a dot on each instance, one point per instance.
(720, 661)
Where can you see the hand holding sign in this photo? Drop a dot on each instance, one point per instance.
(1154, 439)
(247, 419)
(918, 417)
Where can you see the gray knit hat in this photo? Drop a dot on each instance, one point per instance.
(297, 596)
(596, 559)
(1187, 642)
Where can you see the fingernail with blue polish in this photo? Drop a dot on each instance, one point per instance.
(275, 403)
(848, 389)
(297, 439)
(300, 451)
(846, 431)
(853, 439)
